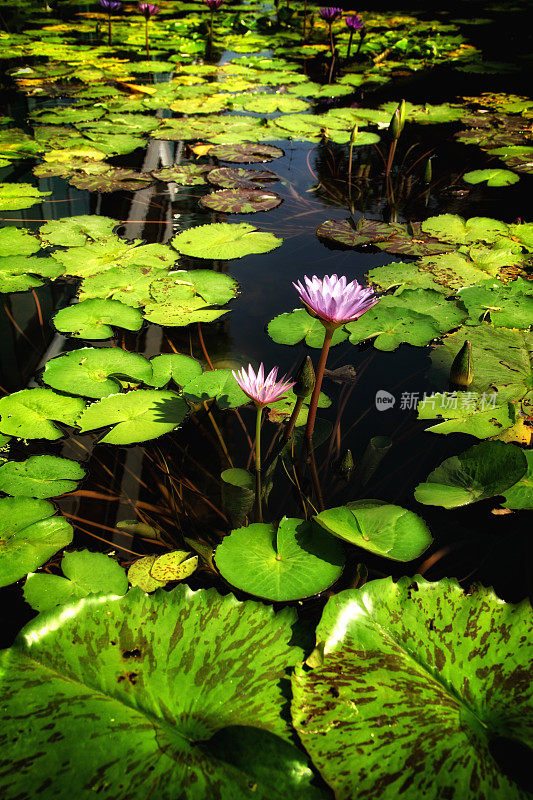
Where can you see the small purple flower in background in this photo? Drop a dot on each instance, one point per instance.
(334, 300)
(111, 5)
(213, 5)
(260, 389)
(355, 23)
(330, 14)
(148, 10)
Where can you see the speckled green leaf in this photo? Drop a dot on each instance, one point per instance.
(127, 284)
(14, 196)
(29, 535)
(125, 691)
(505, 305)
(139, 574)
(174, 566)
(92, 319)
(93, 371)
(77, 231)
(485, 470)
(28, 414)
(182, 174)
(136, 416)
(40, 476)
(466, 412)
(239, 178)
(417, 679)
(241, 201)
(246, 153)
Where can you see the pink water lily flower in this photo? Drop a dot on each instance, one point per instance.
(148, 9)
(335, 300)
(261, 390)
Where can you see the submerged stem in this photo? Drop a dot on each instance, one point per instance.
(258, 463)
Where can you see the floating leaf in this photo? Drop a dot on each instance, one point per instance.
(520, 495)
(241, 201)
(402, 276)
(218, 384)
(295, 561)
(119, 674)
(127, 284)
(269, 103)
(40, 476)
(107, 254)
(492, 177)
(224, 240)
(506, 305)
(485, 470)
(113, 179)
(182, 174)
(466, 412)
(28, 414)
(29, 535)
(415, 316)
(184, 296)
(89, 371)
(386, 530)
(85, 573)
(92, 319)
(173, 366)
(453, 229)
(14, 196)
(409, 662)
(17, 242)
(239, 178)
(298, 325)
(136, 416)
(77, 231)
(246, 153)
(502, 361)
(18, 273)
(174, 566)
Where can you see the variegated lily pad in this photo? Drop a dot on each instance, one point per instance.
(248, 153)
(113, 179)
(239, 178)
(241, 201)
(182, 174)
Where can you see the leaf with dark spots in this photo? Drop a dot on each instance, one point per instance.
(241, 201)
(246, 153)
(239, 178)
(426, 680)
(120, 698)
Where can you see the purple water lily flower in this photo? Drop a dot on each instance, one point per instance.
(148, 10)
(111, 6)
(334, 300)
(355, 22)
(330, 14)
(262, 390)
(213, 5)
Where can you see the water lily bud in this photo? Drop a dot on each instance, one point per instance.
(305, 378)
(346, 466)
(428, 172)
(395, 125)
(462, 371)
(401, 109)
(353, 135)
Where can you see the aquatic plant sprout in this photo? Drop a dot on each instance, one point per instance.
(262, 390)
(334, 300)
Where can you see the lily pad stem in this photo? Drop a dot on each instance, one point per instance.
(109, 28)
(349, 45)
(146, 38)
(328, 335)
(258, 463)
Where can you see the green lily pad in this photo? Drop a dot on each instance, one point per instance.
(416, 316)
(466, 412)
(386, 530)
(29, 535)
(411, 662)
(107, 254)
(126, 284)
(454, 271)
(238, 493)
(224, 240)
(183, 297)
(136, 416)
(17, 242)
(298, 325)
(240, 178)
(217, 384)
(20, 273)
(89, 371)
(77, 231)
(427, 114)
(85, 573)
(112, 179)
(173, 366)
(453, 229)
(269, 103)
(14, 196)
(400, 275)
(502, 361)
(485, 470)
(28, 414)
(250, 153)
(92, 319)
(241, 201)
(40, 476)
(295, 561)
(520, 496)
(492, 177)
(119, 675)
(507, 305)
